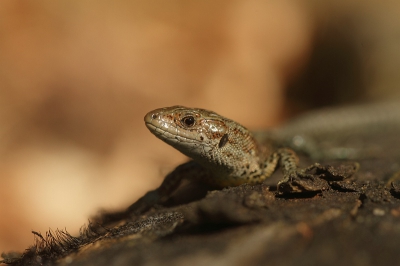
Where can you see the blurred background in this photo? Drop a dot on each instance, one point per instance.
(77, 78)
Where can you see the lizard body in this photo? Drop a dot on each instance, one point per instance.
(224, 152)
(223, 147)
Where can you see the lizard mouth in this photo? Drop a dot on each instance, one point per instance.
(152, 122)
(161, 128)
(150, 126)
(172, 135)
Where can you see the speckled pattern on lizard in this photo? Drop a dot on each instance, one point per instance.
(223, 152)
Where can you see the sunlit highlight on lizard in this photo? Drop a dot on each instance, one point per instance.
(223, 152)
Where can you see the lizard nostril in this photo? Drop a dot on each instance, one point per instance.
(154, 116)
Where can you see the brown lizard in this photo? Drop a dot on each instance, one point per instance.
(223, 153)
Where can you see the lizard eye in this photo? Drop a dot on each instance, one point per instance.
(188, 121)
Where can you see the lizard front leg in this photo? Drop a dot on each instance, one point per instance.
(296, 180)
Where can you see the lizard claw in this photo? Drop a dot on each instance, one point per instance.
(302, 182)
(316, 178)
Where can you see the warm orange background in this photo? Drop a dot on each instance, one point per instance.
(77, 77)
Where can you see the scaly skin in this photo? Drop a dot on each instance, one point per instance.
(224, 152)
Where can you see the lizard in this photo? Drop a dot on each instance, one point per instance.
(223, 152)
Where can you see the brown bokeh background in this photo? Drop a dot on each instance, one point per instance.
(77, 77)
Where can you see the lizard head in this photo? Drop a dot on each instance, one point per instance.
(203, 135)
